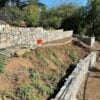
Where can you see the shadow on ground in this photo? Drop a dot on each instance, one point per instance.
(95, 69)
(62, 81)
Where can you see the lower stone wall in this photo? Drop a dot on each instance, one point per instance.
(88, 40)
(73, 84)
(13, 36)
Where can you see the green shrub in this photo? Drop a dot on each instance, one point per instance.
(2, 63)
(43, 90)
(6, 94)
(46, 90)
(12, 13)
(57, 62)
(73, 56)
(32, 15)
(41, 58)
(53, 52)
(52, 78)
(33, 74)
(24, 91)
(2, 66)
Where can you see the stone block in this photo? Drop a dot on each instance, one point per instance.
(21, 52)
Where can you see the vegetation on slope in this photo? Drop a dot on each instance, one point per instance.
(2, 63)
(38, 80)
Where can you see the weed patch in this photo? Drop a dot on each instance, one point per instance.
(53, 52)
(73, 56)
(24, 91)
(33, 74)
(6, 94)
(2, 63)
(43, 90)
(41, 58)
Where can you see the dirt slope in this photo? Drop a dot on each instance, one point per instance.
(38, 71)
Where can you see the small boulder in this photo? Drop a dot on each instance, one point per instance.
(21, 52)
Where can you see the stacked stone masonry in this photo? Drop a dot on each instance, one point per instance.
(73, 84)
(13, 36)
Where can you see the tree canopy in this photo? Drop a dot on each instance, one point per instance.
(93, 17)
(3, 2)
(83, 20)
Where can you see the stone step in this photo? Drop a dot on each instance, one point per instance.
(6, 52)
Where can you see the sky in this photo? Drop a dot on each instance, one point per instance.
(51, 3)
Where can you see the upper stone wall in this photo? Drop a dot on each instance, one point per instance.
(13, 36)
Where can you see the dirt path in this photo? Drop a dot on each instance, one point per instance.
(97, 45)
(93, 84)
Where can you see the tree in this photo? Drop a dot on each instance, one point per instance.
(93, 18)
(32, 15)
(3, 2)
(71, 15)
(66, 10)
(50, 19)
(12, 13)
(55, 16)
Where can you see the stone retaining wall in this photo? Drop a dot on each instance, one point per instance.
(13, 36)
(88, 40)
(73, 84)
